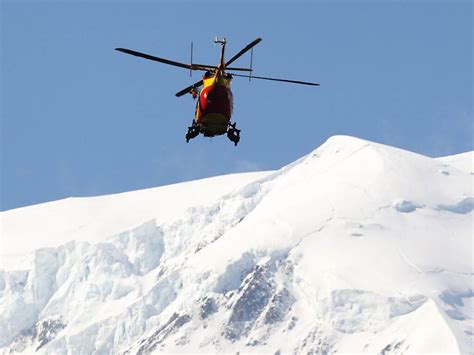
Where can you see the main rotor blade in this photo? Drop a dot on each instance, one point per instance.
(239, 69)
(188, 89)
(275, 79)
(203, 66)
(244, 50)
(166, 61)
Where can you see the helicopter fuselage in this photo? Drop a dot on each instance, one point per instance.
(214, 105)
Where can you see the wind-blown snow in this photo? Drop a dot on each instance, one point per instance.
(356, 247)
(463, 161)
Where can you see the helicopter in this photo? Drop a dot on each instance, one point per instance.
(214, 104)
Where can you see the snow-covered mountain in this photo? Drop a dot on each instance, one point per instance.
(356, 247)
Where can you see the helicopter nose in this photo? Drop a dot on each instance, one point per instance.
(215, 98)
(212, 94)
(208, 94)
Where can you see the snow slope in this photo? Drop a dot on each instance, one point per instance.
(463, 161)
(356, 247)
(94, 219)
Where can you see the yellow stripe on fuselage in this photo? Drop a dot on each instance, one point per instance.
(217, 80)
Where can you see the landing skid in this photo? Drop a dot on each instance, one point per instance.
(233, 133)
(193, 131)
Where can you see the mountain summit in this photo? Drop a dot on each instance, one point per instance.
(356, 247)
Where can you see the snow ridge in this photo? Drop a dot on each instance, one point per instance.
(352, 248)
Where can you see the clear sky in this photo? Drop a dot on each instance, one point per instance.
(80, 119)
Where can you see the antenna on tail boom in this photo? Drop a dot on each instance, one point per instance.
(191, 70)
(251, 60)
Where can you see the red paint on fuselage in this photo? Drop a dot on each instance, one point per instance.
(214, 107)
(216, 99)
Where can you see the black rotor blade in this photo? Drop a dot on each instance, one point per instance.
(166, 61)
(275, 79)
(245, 49)
(239, 69)
(188, 89)
(203, 66)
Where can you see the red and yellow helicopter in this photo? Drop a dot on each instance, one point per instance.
(214, 101)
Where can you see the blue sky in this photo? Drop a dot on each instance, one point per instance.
(80, 119)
